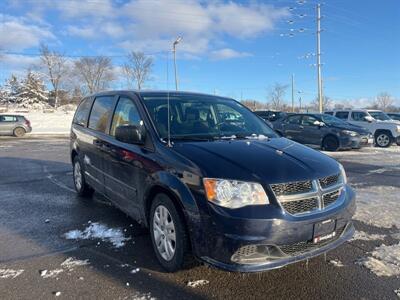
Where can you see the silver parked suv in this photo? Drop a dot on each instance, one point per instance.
(14, 125)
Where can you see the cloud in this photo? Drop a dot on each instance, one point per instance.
(17, 34)
(18, 64)
(228, 53)
(83, 32)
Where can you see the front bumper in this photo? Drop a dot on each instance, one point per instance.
(226, 234)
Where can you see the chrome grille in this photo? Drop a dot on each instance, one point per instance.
(329, 181)
(298, 187)
(301, 206)
(330, 198)
(305, 246)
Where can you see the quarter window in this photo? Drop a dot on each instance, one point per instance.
(100, 114)
(342, 115)
(358, 116)
(125, 114)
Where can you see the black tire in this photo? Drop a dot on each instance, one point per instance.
(82, 188)
(330, 143)
(181, 255)
(383, 139)
(19, 132)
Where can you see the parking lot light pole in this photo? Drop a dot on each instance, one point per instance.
(174, 50)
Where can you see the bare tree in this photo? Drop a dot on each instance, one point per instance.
(95, 72)
(138, 68)
(326, 103)
(276, 95)
(56, 66)
(254, 104)
(384, 100)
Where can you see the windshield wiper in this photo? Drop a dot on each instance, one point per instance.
(190, 138)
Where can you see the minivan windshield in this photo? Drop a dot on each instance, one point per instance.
(331, 120)
(379, 115)
(200, 117)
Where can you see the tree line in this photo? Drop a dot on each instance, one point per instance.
(58, 80)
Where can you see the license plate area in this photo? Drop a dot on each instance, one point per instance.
(324, 230)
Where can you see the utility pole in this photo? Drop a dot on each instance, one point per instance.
(319, 57)
(292, 92)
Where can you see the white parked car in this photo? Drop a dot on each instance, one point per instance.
(384, 129)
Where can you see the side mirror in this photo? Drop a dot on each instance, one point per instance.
(130, 134)
(369, 119)
(318, 123)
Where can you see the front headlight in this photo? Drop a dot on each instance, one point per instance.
(233, 193)
(343, 173)
(349, 132)
(398, 128)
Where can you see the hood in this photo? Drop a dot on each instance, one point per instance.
(270, 161)
(351, 127)
(391, 122)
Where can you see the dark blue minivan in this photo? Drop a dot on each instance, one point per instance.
(210, 180)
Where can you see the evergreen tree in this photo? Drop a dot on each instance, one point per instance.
(32, 92)
(9, 91)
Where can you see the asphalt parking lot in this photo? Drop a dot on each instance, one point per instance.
(38, 206)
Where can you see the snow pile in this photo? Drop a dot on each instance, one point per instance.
(196, 283)
(50, 273)
(10, 273)
(364, 236)
(397, 292)
(70, 263)
(58, 122)
(378, 206)
(336, 263)
(385, 260)
(99, 231)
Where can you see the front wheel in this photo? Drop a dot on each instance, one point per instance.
(330, 143)
(383, 139)
(81, 187)
(168, 234)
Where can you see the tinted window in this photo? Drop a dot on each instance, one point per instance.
(358, 116)
(8, 119)
(126, 113)
(293, 119)
(342, 115)
(329, 113)
(308, 120)
(101, 111)
(82, 112)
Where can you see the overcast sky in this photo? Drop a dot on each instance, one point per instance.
(232, 48)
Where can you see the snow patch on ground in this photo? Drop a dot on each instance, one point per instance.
(364, 236)
(336, 263)
(196, 283)
(70, 263)
(378, 206)
(99, 231)
(50, 273)
(10, 273)
(385, 260)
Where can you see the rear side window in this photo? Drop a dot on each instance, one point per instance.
(125, 114)
(342, 115)
(8, 119)
(101, 112)
(82, 112)
(358, 115)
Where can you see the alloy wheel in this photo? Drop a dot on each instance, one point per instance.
(383, 140)
(164, 232)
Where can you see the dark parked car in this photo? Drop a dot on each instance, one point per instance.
(14, 125)
(210, 179)
(394, 116)
(270, 116)
(323, 130)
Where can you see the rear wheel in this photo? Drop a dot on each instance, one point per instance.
(330, 143)
(168, 234)
(383, 139)
(19, 132)
(81, 187)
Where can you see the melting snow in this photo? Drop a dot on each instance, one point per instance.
(385, 260)
(364, 236)
(397, 292)
(10, 273)
(378, 206)
(71, 262)
(336, 263)
(99, 231)
(134, 271)
(197, 283)
(50, 273)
